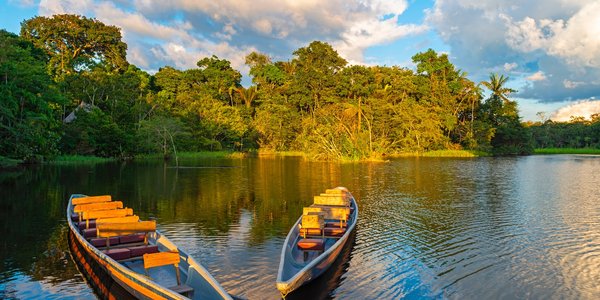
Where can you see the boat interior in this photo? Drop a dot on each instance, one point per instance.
(321, 225)
(135, 244)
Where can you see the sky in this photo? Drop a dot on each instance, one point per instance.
(550, 49)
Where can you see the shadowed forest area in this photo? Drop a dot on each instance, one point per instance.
(67, 88)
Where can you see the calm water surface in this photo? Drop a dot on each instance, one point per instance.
(525, 227)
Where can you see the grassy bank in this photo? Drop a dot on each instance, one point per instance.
(443, 153)
(280, 153)
(192, 155)
(78, 159)
(81, 159)
(6, 162)
(566, 151)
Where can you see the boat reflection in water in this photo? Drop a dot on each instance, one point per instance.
(324, 287)
(104, 286)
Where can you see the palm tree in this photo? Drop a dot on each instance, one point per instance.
(498, 105)
(247, 95)
(496, 86)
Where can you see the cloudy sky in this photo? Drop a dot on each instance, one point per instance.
(549, 48)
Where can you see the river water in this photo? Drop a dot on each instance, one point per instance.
(519, 227)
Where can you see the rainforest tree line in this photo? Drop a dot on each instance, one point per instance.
(67, 88)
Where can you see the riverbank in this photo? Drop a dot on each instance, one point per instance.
(78, 159)
(548, 151)
(6, 163)
(444, 153)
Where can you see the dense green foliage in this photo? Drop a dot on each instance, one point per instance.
(577, 133)
(68, 89)
(29, 123)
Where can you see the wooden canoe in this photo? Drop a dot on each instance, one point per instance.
(306, 255)
(134, 255)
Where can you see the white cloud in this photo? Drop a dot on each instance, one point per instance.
(537, 76)
(584, 108)
(510, 66)
(559, 38)
(231, 29)
(571, 84)
(576, 40)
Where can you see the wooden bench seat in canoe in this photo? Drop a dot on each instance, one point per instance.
(119, 229)
(334, 231)
(109, 213)
(311, 223)
(91, 199)
(339, 214)
(311, 244)
(92, 223)
(108, 230)
(153, 260)
(97, 206)
(337, 200)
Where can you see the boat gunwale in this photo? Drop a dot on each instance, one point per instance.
(340, 242)
(137, 278)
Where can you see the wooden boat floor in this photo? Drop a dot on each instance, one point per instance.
(163, 275)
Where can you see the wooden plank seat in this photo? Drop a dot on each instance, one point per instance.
(91, 199)
(97, 206)
(330, 213)
(332, 200)
(108, 230)
(334, 231)
(127, 219)
(109, 213)
(91, 223)
(152, 260)
(312, 223)
(311, 244)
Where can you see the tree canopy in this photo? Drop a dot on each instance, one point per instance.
(75, 43)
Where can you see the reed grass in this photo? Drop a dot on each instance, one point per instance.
(280, 153)
(6, 162)
(79, 159)
(443, 153)
(194, 155)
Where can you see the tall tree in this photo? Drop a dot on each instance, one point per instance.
(218, 77)
(29, 125)
(316, 67)
(75, 43)
(509, 137)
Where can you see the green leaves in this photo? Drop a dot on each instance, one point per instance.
(29, 128)
(509, 136)
(76, 43)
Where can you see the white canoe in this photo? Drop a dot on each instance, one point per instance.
(298, 267)
(129, 273)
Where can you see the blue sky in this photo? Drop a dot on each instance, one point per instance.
(550, 49)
